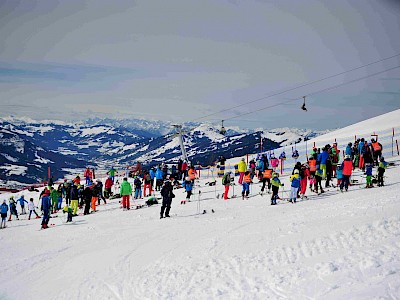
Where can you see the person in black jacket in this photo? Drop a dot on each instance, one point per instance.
(167, 194)
(87, 198)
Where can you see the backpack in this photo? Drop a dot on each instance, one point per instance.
(302, 171)
(225, 179)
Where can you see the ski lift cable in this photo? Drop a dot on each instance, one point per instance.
(313, 93)
(296, 87)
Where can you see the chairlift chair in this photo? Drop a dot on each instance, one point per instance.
(222, 130)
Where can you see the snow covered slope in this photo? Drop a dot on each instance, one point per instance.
(333, 246)
(329, 246)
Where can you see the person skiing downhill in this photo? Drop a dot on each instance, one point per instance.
(3, 212)
(167, 194)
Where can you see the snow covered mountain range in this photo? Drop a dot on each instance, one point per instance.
(29, 147)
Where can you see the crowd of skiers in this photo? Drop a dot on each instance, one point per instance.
(88, 195)
(322, 165)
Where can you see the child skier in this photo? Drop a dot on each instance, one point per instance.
(188, 185)
(31, 207)
(22, 201)
(347, 170)
(276, 183)
(3, 212)
(312, 163)
(69, 211)
(246, 185)
(295, 180)
(381, 170)
(339, 175)
(13, 208)
(368, 172)
(267, 175)
(318, 179)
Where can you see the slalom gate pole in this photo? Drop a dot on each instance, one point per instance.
(392, 141)
(397, 145)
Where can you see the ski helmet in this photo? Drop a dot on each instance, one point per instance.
(296, 171)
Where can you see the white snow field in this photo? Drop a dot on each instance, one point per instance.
(332, 246)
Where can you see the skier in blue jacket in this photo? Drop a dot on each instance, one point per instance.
(45, 207)
(3, 212)
(22, 201)
(188, 185)
(13, 208)
(159, 178)
(324, 158)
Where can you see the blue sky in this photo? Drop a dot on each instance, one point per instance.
(181, 60)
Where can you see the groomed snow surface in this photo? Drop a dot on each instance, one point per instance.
(332, 246)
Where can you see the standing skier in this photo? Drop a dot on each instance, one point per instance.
(226, 181)
(295, 185)
(167, 194)
(88, 175)
(45, 207)
(242, 168)
(318, 179)
(125, 192)
(266, 178)
(275, 183)
(246, 185)
(3, 212)
(108, 185)
(159, 178)
(368, 173)
(188, 185)
(138, 187)
(347, 170)
(304, 174)
(87, 198)
(22, 202)
(377, 151)
(54, 200)
(13, 208)
(148, 184)
(74, 196)
(31, 207)
(381, 170)
(112, 173)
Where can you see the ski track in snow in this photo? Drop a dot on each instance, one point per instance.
(331, 246)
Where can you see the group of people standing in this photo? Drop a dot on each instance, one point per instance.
(322, 165)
